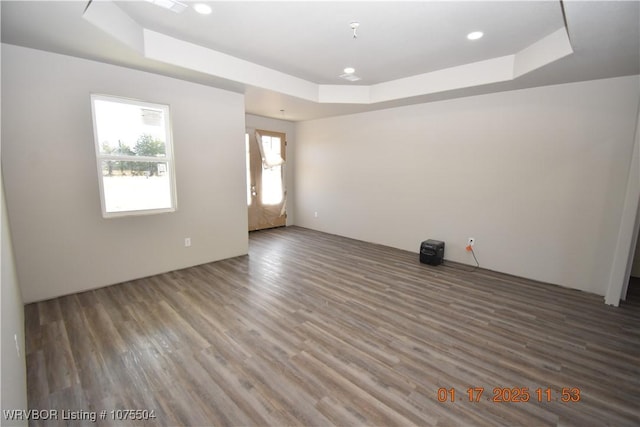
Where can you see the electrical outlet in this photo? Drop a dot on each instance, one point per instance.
(471, 241)
(315, 214)
(187, 242)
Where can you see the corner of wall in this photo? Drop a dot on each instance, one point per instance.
(14, 371)
(628, 232)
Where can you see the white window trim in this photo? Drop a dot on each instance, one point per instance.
(168, 158)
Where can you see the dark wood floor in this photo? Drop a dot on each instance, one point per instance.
(317, 330)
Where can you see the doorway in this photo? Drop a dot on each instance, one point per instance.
(266, 188)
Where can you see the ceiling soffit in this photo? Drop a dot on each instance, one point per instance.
(154, 45)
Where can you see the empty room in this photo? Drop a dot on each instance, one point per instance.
(320, 213)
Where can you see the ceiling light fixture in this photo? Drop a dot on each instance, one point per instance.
(354, 26)
(172, 5)
(349, 77)
(475, 35)
(349, 71)
(203, 9)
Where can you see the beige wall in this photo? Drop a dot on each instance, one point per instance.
(62, 244)
(254, 122)
(13, 373)
(537, 176)
(629, 226)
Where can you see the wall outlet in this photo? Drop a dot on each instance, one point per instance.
(187, 242)
(471, 241)
(315, 214)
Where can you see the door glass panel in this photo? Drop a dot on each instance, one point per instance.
(272, 185)
(272, 192)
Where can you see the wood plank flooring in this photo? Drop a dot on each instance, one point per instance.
(318, 330)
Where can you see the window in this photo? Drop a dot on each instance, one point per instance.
(134, 155)
(248, 166)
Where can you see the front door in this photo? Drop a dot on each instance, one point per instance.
(266, 192)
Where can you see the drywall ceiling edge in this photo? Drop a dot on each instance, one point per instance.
(160, 47)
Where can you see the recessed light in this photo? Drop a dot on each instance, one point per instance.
(202, 8)
(349, 77)
(349, 70)
(475, 35)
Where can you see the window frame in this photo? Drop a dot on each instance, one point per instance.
(168, 157)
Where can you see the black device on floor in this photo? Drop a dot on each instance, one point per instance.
(432, 252)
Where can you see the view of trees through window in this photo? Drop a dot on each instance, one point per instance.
(133, 148)
(146, 146)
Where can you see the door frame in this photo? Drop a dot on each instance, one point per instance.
(265, 216)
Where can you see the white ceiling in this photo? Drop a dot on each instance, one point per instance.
(311, 42)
